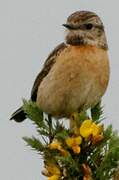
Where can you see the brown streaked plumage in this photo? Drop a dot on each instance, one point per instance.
(76, 74)
(47, 66)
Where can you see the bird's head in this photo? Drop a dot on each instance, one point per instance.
(85, 28)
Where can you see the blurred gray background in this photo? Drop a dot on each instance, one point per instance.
(29, 30)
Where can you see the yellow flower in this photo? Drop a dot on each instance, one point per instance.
(88, 128)
(54, 177)
(57, 145)
(76, 149)
(73, 143)
(96, 129)
(85, 129)
(52, 171)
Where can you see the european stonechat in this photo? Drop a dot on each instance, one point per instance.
(76, 73)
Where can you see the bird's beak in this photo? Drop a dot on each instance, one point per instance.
(68, 26)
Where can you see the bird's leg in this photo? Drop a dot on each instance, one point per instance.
(74, 120)
(77, 118)
(50, 128)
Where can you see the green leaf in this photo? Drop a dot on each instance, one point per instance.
(34, 113)
(62, 135)
(67, 161)
(34, 143)
(83, 116)
(97, 112)
(43, 132)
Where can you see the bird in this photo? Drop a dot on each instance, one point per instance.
(76, 73)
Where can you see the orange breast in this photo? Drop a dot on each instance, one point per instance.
(77, 80)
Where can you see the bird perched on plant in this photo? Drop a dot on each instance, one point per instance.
(76, 73)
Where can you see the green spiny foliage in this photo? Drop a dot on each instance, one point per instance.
(97, 112)
(98, 158)
(34, 113)
(110, 157)
(35, 144)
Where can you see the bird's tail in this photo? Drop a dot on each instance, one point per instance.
(18, 115)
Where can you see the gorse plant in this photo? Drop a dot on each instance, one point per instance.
(85, 150)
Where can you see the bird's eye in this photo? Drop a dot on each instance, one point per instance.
(89, 26)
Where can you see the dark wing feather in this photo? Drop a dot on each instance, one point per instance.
(46, 68)
(19, 115)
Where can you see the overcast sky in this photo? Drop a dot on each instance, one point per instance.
(29, 30)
